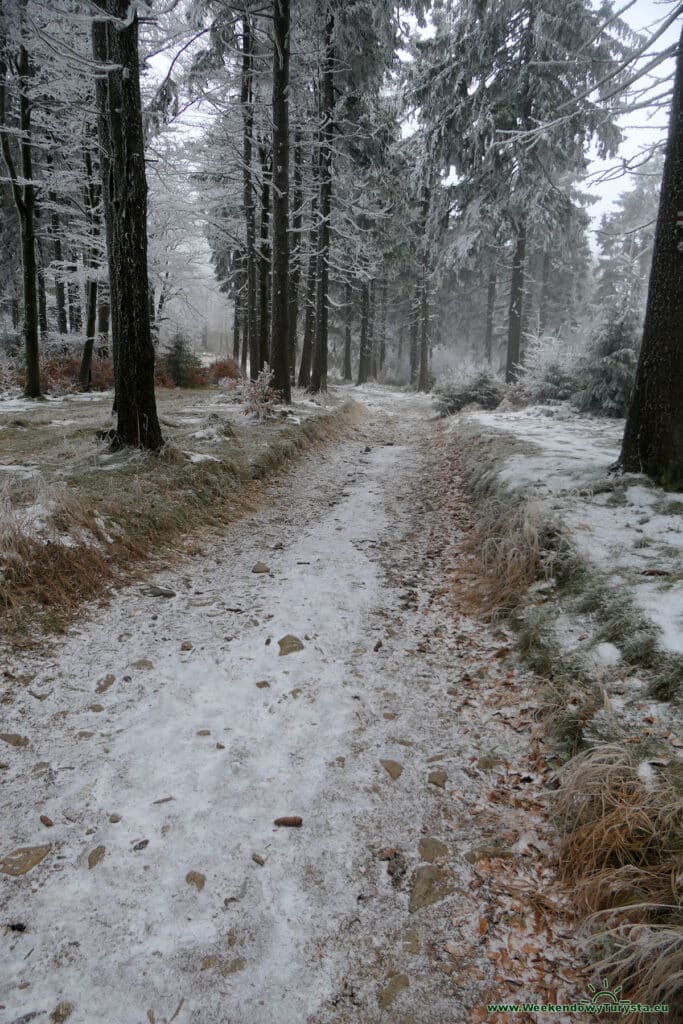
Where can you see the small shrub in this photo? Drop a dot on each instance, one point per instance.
(182, 364)
(481, 388)
(609, 368)
(259, 396)
(550, 372)
(224, 369)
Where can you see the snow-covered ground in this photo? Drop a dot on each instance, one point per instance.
(145, 760)
(634, 533)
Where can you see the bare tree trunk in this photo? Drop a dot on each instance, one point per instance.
(543, 297)
(516, 304)
(74, 302)
(24, 195)
(250, 341)
(60, 293)
(280, 337)
(383, 324)
(295, 260)
(372, 340)
(415, 337)
(85, 371)
(365, 355)
(348, 314)
(122, 164)
(423, 375)
(653, 438)
(236, 325)
(319, 371)
(42, 295)
(103, 320)
(490, 312)
(264, 262)
(309, 302)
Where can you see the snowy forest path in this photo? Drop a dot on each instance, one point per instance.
(311, 666)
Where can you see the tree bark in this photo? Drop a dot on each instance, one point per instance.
(103, 320)
(74, 302)
(365, 355)
(415, 337)
(295, 253)
(348, 314)
(653, 438)
(24, 195)
(236, 325)
(122, 165)
(250, 340)
(264, 262)
(280, 340)
(319, 371)
(543, 297)
(516, 304)
(383, 324)
(423, 375)
(60, 293)
(85, 371)
(490, 311)
(42, 296)
(309, 301)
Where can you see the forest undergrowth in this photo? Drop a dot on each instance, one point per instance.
(619, 799)
(79, 520)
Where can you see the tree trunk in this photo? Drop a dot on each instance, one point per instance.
(309, 301)
(653, 438)
(348, 311)
(250, 340)
(24, 195)
(60, 293)
(543, 297)
(372, 339)
(423, 375)
(415, 337)
(42, 296)
(319, 371)
(85, 371)
(74, 302)
(516, 304)
(103, 321)
(236, 325)
(490, 312)
(295, 260)
(383, 325)
(264, 263)
(280, 340)
(365, 355)
(122, 164)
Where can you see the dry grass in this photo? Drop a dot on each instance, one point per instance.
(508, 550)
(622, 854)
(104, 526)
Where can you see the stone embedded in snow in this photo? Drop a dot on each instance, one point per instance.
(263, 684)
(60, 1013)
(186, 646)
(258, 859)
(97, 707)
(203, 732)
(24, 859)
(289, 644)
(431, 849)
(95, 856)
(197, 879)
(115, 818)
(386, 996)
(143, 663)
(105, 683)
(154, 591)
(14, 739)
(394, 769)
(47, 822)
(141, 845)
(428, 886)
(438, 778)
(290, 821)
(260, 567)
